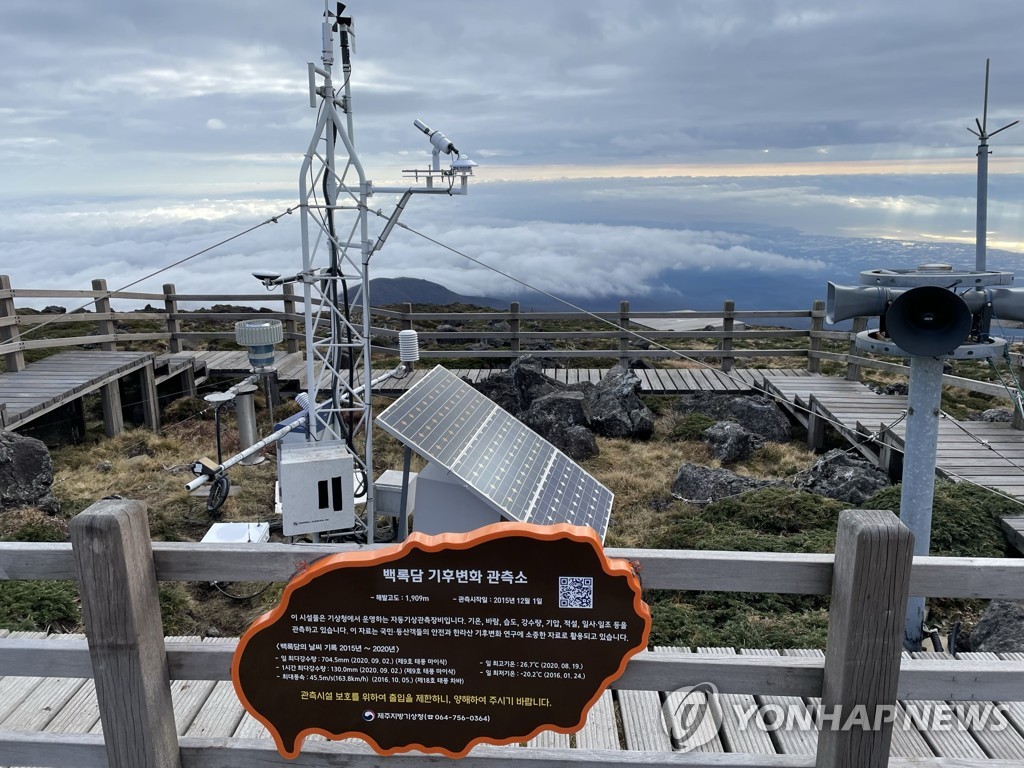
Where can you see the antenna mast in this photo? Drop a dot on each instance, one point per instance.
(336, 255)
(983, 153)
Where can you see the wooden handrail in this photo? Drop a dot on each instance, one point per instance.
(514, 342)
(704, 570)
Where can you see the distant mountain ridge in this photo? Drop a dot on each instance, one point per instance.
(397, 290)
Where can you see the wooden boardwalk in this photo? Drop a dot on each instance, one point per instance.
(291, 369)
(653, 381)
(61, 379)
(986, 453)
(621, 719)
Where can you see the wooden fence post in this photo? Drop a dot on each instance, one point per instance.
(407, 316)
(817, 326)
(121, 607)
(624, 337)
(853, 369)
(513, 321)
(15, 361)
(870, 579)
(728, 322)
(113, 421)
(173, 324)
(290, 326)
(106, 327)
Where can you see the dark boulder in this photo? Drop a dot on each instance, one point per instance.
(26, 473)
(992, 414)
(701, 485)
(528, 374)
(563, 419)
(757, 414)
(567, 407)
(616, 409)
(731, 442)
(575, 441)
(843, 476)
(1001, 629)
(502, 389)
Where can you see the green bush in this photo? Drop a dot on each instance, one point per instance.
(39, 529)
(738, 620)
(692, 426)
(33, 606)
(965, 518)
(777, 510)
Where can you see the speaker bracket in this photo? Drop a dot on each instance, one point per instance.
(872, 341)
(933, 274)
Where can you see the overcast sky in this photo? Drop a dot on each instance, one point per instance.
(134, 132)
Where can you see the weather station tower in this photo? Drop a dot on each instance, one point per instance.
(325, 456)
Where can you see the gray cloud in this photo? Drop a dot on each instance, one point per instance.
(567, 82)
(134, 133)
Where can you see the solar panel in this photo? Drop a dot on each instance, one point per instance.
(524, 476)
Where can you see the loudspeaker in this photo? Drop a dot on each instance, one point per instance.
(845, 301)
(928, 321)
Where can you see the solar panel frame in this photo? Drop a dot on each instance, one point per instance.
(499, 458)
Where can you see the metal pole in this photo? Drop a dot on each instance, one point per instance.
(403, 509)
(919, 474)
(245, 410)
(982, 224)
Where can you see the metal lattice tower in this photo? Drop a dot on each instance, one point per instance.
(336, 251)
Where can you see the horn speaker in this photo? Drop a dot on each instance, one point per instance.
(845, 301)
(928, 321)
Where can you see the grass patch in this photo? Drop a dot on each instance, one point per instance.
(33, 606)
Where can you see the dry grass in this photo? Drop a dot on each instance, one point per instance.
(776, 460)
(640, 475)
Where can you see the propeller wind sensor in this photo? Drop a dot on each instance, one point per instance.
(981, 236)
(982, 132)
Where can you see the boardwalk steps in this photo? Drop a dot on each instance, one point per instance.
(986, 453)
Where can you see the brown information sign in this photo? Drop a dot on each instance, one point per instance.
(444, 642)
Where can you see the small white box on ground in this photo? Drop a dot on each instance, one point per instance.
(237, 533)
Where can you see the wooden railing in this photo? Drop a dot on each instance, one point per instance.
(118, 568)
(619, 331)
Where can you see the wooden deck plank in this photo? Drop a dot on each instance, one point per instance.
(737, 734)
(251, 728)
(13, 691)
(645, 380)
(1001, 736)
(702, 740)
(550, 739)
(788, 741)
(600, 731)
(945, 742)
(80, 714)
(42, 704)
(220, 714)
(62, 378)
(643, 721)
(188, 697)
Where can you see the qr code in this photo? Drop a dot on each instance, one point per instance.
(575, 592)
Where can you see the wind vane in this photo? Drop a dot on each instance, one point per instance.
(983, 153)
